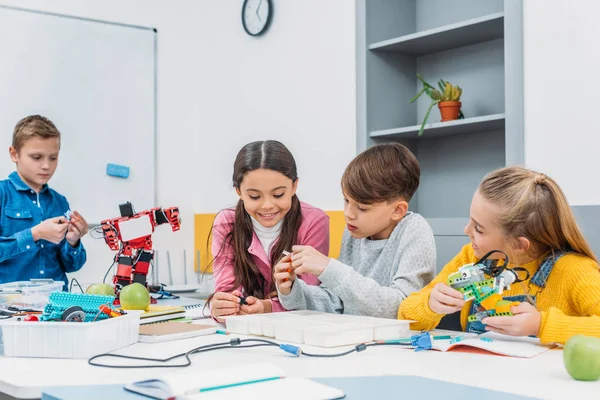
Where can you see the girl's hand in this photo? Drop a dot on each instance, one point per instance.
(224, 304)
(78, 227)
(445, 300)
(285, 275)
(307, 260)
(525, 321)
(255, 306)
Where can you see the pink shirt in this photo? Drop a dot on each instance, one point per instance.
(314, 231)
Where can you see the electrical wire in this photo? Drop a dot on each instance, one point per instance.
(71, 286)
(235, 343)
(108, 270)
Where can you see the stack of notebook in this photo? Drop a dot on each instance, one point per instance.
(156, 313)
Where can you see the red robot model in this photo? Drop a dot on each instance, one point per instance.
(131, 236)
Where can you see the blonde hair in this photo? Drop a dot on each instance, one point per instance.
(33, 126)
(534, 207)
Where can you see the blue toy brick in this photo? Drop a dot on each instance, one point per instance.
(90, 303)
(485, 339)
(118, 171)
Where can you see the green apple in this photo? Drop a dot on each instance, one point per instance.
(103, 289)
(581, 356)
(134, 297)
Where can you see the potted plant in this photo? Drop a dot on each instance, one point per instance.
(447, 99)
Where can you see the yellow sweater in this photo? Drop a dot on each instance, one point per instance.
(570, 303)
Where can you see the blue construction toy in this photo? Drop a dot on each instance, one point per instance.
(75, 307)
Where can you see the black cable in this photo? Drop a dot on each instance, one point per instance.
(108, 270)
(494, 270)
(71, 286)
(358, 349)
(232, 344)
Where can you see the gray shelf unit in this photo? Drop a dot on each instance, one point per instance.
(473, 43)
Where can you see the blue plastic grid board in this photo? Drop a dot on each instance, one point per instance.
(90, 303)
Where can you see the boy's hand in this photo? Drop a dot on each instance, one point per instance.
(285, 275)
(52, 230)
(255, 306)
(525, 321)
(307, 260)
(77, 229)
(445, 300)
(224, 304)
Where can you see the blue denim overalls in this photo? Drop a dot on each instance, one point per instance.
(539, 279)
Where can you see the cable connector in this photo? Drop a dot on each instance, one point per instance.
(360, 347)
(235, 342)
(288, 348)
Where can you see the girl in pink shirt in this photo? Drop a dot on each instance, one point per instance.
(249, 241)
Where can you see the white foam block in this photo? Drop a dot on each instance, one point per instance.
(334, 335)
(293, 331)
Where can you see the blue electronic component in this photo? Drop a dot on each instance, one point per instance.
(421, 341)
(118, 171)
(288, 348)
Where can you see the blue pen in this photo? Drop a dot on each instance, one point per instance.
(222, 332)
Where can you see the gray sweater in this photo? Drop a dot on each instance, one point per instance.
(371, 277)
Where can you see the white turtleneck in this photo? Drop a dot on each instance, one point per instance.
(267, 235)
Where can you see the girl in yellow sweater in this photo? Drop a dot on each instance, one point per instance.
(526, 215)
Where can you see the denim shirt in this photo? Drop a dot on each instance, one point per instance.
(20, 257)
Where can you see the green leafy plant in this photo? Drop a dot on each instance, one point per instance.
(446, 92)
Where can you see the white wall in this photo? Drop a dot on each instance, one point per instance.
(219, 88)
(562, 62)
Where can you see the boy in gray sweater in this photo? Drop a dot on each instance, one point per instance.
(387, 251)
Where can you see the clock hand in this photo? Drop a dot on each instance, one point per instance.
(258, 8)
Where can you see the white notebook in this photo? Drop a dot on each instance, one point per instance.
(243, 381)
(512, 346)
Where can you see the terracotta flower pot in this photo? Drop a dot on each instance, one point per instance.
(449, 110)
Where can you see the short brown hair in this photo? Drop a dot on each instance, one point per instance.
(33, 126)
(383, 172)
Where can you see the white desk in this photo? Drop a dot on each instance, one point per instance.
(543, 376)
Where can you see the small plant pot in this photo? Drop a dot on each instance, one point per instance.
(449, 110)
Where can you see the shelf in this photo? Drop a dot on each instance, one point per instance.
(472, 31)
(485, 123)
(448, 226)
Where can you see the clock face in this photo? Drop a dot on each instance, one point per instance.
(256, 16)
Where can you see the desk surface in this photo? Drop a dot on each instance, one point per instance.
(543, 376)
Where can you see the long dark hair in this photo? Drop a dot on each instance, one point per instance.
(272, 155)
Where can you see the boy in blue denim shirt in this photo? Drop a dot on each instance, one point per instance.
(36, 238)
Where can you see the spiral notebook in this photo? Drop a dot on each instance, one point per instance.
(196, 311)
(157, 313)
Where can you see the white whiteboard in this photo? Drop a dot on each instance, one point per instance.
(97, 82)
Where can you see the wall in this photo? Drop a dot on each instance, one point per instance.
(219, 88)
(561, 63)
